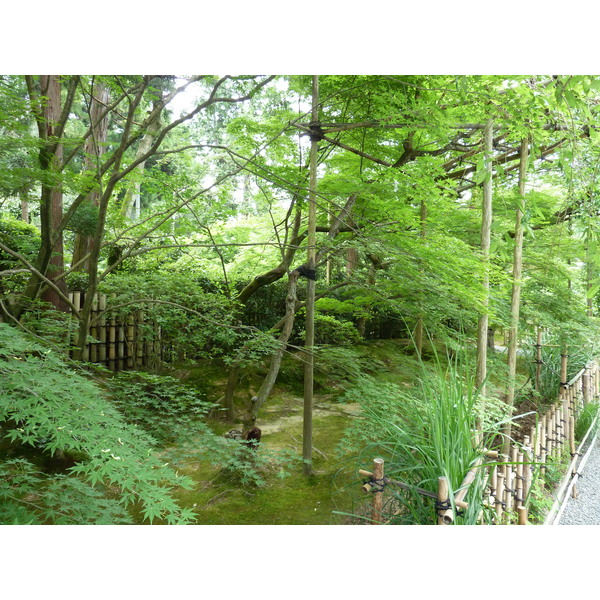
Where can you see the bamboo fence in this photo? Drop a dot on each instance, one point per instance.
(121, 341)
(510, 477)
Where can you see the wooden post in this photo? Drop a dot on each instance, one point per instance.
(538, 359)
(572, 450)
(499, 495)
(563, 367)
(102, 328)
(94, 330)
(130, 342)
(543, 441)
(486, 226)
(121, 345)
(522, 510)
(376, 512)
(508, 483)
(527, 475)
(112, 338)
(311, 249)
(520, 479)
(444, 514)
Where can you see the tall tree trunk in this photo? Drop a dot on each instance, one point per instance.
(24, 197)
(94, 148)
(486, 227)
(309, 358)
(515, 303)
(351, 260)
(284, 336)
(52, 194)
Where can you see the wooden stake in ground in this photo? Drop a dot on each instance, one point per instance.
(515, 303)
(486, 228)
(443, 506)
(376, 512)
(309, 358)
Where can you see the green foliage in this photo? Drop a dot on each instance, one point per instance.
(161, 405)
(22, 238)
(85, 219)
(329, 330)
(50, 408)
(585, 419)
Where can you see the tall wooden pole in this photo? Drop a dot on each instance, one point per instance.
(309, 358)
(515, 303)
(486, 227)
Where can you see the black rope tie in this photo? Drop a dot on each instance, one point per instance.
(377, 485)
(442, 506)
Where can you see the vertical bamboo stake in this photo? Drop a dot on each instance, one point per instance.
(486, 226)
(520, 487)
(376, 512)
(94, 330)
(102, 327)
(563, 367)
(543, 446)
(140, 339)
(527, 466)
(538, 359)
(522, 510)
(309, 343)
(515, 303)
(121, 345)
(130, 342)
(507, 472)
(499, 495)
(444, 515)
(112, 336)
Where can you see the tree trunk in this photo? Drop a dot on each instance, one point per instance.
(52, 194)
(515, 304)
(94, 148)
(284, 336)
(486, 226)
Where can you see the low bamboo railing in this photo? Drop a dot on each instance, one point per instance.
(120, 342)
(510, 477)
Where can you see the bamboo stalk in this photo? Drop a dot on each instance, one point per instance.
(94, 330)
(522, 510)
(102, 329)
(130, 342)
(499, 495)
(444, 515)
(538, 357)
(121, 345)
(376, 512)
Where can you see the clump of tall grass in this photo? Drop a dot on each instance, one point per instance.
(551, 351)
(432, 432)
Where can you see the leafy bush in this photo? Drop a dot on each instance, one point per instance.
(329, 330)
(22, 238)
(585, 419)
(50, 408)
